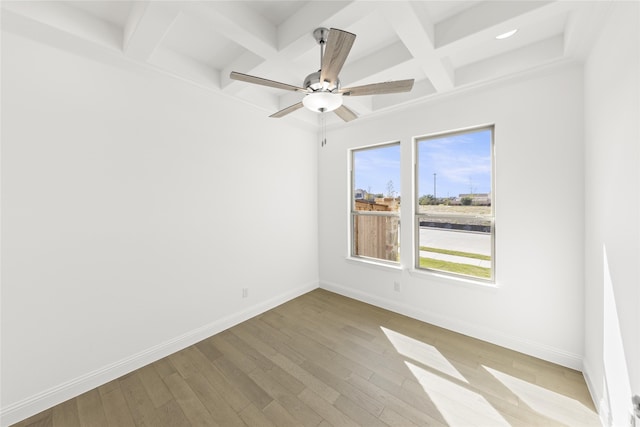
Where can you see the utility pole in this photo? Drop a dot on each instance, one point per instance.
(434, 187)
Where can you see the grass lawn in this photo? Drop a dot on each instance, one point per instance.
(454, 267)
(457, 253)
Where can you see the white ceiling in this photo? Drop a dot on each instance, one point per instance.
(443, 45)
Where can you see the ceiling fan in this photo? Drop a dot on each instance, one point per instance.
(322, 89)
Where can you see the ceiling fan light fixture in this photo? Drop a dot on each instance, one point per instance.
(321, 102)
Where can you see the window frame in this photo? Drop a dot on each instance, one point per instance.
(417, 215)
(353, 213)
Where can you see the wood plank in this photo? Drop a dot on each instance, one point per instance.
(247, 350)
(393, 418)
(142, 409)
(311, 382)
(66, 414)
(183, 364)
(209, 349)
(229, 392)
(90, 409)
(115, 405)
(298, 410)
(280, 416)
(416, 415)
(230, 352)
(248, 387)
(357, 413)
(325, 409)
(356, 396)
(193, 409)
(252, 416)
(219, 409)
(171, 415)
(164, 367)
(155, 387)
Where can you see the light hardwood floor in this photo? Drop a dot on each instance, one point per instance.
(323, 359)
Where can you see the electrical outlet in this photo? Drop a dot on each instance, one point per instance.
(396, 286)
(245, 292)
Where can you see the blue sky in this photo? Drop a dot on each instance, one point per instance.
(375, 167)
(462, 164)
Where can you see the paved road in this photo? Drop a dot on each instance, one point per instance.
(479, 243)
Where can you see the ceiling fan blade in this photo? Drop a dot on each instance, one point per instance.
(338, 47)
(285, 111)
(345, 114)
(379, 88)
(264, 82)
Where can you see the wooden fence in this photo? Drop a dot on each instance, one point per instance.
(377, 236)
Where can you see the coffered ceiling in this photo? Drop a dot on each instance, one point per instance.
(443, 45)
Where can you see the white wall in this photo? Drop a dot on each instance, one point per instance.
(536, 306)
(612, 206)
(135, 207)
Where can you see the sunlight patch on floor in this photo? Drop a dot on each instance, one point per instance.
(422, 353)
(458, 405)
(546, 402)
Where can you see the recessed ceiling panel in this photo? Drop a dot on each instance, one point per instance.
(440, 10)
(114, 12)
(276, 12)
(489, 46)
(194, 39)
(373, 33)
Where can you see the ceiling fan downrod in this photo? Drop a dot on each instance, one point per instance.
(321, 34)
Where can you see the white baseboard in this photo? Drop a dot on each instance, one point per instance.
(598, 399)
(522, 345)
(25, 408)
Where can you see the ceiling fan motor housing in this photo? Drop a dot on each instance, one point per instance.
(312, 82)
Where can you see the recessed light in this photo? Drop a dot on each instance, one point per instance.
(507, 34)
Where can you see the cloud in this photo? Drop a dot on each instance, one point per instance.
(462, 163)
(375, 167)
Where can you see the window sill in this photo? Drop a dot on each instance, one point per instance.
(450, 279)
(373, 263)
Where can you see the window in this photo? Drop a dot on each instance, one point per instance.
(454, 203)
(375, 202)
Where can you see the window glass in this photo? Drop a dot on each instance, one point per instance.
(375, 203)
(454, 203)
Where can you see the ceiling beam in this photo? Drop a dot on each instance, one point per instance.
(247, 61)
(186, 68)
(416, 30)
(70, 20)
(147, 25)
(421, 89)
(237, 22)
(511, 62)
(384, 59)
